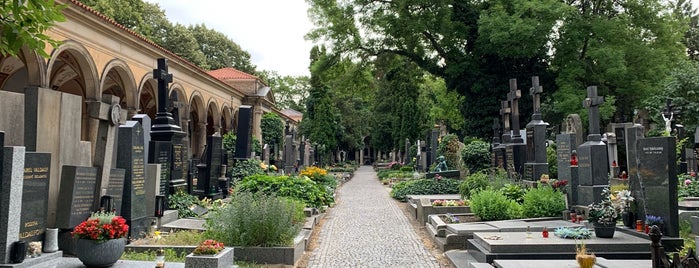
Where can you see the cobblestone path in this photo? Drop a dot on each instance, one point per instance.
(367, 229)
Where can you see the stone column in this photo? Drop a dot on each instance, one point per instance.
(201, 139)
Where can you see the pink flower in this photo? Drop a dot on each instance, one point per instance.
(687, 182)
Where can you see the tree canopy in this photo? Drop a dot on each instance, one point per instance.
(23, 23)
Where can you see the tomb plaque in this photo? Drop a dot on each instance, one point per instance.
(76, 195)
(35, 192)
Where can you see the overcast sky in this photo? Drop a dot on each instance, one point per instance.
(271, 31)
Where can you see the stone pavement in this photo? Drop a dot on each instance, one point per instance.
(367, 229)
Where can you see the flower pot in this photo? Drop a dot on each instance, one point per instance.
(604, 230)
(18, 252)
(95, 254)
(586, 260)
(628, 218)
(222, 259)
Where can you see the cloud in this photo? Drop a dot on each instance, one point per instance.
(272, 31)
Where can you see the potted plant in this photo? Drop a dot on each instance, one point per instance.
(100, 239)
(584, 258)
(604, 215)
(210, 253)
(654, 220)
(623, 200)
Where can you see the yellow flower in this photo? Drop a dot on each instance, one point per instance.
(263, 166)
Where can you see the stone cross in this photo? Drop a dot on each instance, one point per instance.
(505, 112)
(591, 103)
(536, 91)
(513, 96)
(164, 78)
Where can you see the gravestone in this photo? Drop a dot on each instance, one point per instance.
(115, 188)
(498, 149)
(612, 155)
(243, 145)
(130, 157)
(516, 150)
(166, 136)
(619, 130)
(505, 113)
(12, 172)
(536, 164)
(145, 121)
(35, 191)
(691, 160)
(593, 165)
(434, 144)
(76, 195)
(109, 115)
(634, 133)
(658, 181)
(152, 186)
(210, 168)
(564, 150)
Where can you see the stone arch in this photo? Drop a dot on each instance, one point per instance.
(146, 95)
(25, 69)
(72, 70)
(197, 124)
(118, 80)
(213, 118)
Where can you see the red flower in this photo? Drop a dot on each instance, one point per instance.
(102, 226)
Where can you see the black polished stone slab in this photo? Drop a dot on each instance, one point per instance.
(35, 192)
(658, 179)
(75, 196)
(593, 164)
(130, 158)
(161, 153)
(115, 188)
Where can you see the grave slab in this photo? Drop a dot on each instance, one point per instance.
(467, 229)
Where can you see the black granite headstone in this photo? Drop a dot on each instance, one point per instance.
(210, 168)
(537, 163)
(75, 196)
(658, 179)
(35, 191)
(243, 145)
(593, 163)
(130, 158)
(115, 188)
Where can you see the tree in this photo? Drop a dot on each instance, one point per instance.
(442, 105)
(272, 128)
(23, 23)
(289, 91)
(220, 51)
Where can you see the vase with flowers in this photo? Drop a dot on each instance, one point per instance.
(623, 199)
(210, 253)
(604, 215)
(655, 220)
(101, 239)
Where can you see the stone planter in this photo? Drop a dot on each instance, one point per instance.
(604, 230)
(222, 259)
(94, 254)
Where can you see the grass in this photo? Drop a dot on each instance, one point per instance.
(170, 255)
(180, 238)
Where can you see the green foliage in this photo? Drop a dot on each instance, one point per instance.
(149, 255)
(256, 146)
(552, 160)
(443, 105)
(687, 186)
(302, 189)
(245, 168)
(687, 236)
(290, 92)
(229, 140)
(449, 148)
(220, 51)
(24, 23)
(424, 186)
(492, 205)
(182, 202)
(514, 192)
(573, 232)
(256, 220)
(272, 128)
(387, 173)
(406, 169)
(476, 155)
(543, 201)
(473, 183)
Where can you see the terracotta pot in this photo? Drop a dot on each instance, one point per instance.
(586, 261)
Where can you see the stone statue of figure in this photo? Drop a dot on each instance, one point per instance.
(442, 165)
(574, 125)
(668, 122)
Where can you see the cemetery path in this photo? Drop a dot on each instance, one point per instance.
(368, 229)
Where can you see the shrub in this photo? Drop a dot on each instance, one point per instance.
(182, 202)
(552, 160)
(473, 184)
(245, 168)
(491, 205)
(514, 192)
(543, 202)
(406, 169)
(476, 155)
(256, 220)
(515, 210)
(302, 189)
(449, 148)
(402, 189)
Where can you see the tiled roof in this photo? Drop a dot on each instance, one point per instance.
(231, 73)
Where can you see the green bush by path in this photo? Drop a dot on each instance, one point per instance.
(492, 205)
(256, 220)
(543, 201)
(473, 183)
(402, 189)
(303, 189)
(476, 156)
